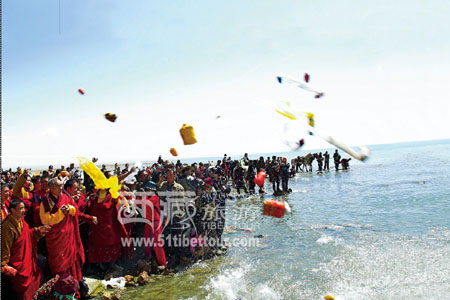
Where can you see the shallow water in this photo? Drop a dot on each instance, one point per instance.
(378, 231)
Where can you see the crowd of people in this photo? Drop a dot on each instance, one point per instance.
(305, 163)
(59, 225)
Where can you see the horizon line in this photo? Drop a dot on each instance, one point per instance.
(232, 155)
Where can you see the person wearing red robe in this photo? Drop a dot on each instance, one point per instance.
(83, 203)
(19, 255)
(125, 197)
(65, 250)
(153, 229)
(5, 201)
(71, 190)
(105, 237)
(22, 190)
(40, 192)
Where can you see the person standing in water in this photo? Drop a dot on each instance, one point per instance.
(251, 176)
(276, 174)
(284, 172)
(337, 159)
(320, 161)
(326, 156)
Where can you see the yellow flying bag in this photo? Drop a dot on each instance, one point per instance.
(188, 135)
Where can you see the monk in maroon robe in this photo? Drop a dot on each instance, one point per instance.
(153, 229)
(65, 250)
(127, 250)
(105, 237)
(40, 192)
(71, 190)
(19, 255)
(5, 201)
(22, 191)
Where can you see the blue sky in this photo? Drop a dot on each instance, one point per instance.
(384, 67)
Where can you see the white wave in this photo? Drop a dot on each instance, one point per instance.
(265, 292)
(386, 266)
(228, 285)
(232, 284)
(324, 239)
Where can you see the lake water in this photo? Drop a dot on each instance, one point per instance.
(380, 230)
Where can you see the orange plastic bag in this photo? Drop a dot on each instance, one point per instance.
(259, 179)
(188, 135)
(274, 208)
(173, 151)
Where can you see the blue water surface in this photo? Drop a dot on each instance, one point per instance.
(380, 230)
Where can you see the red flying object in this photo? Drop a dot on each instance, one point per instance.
(81, 91)
(306, 77)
